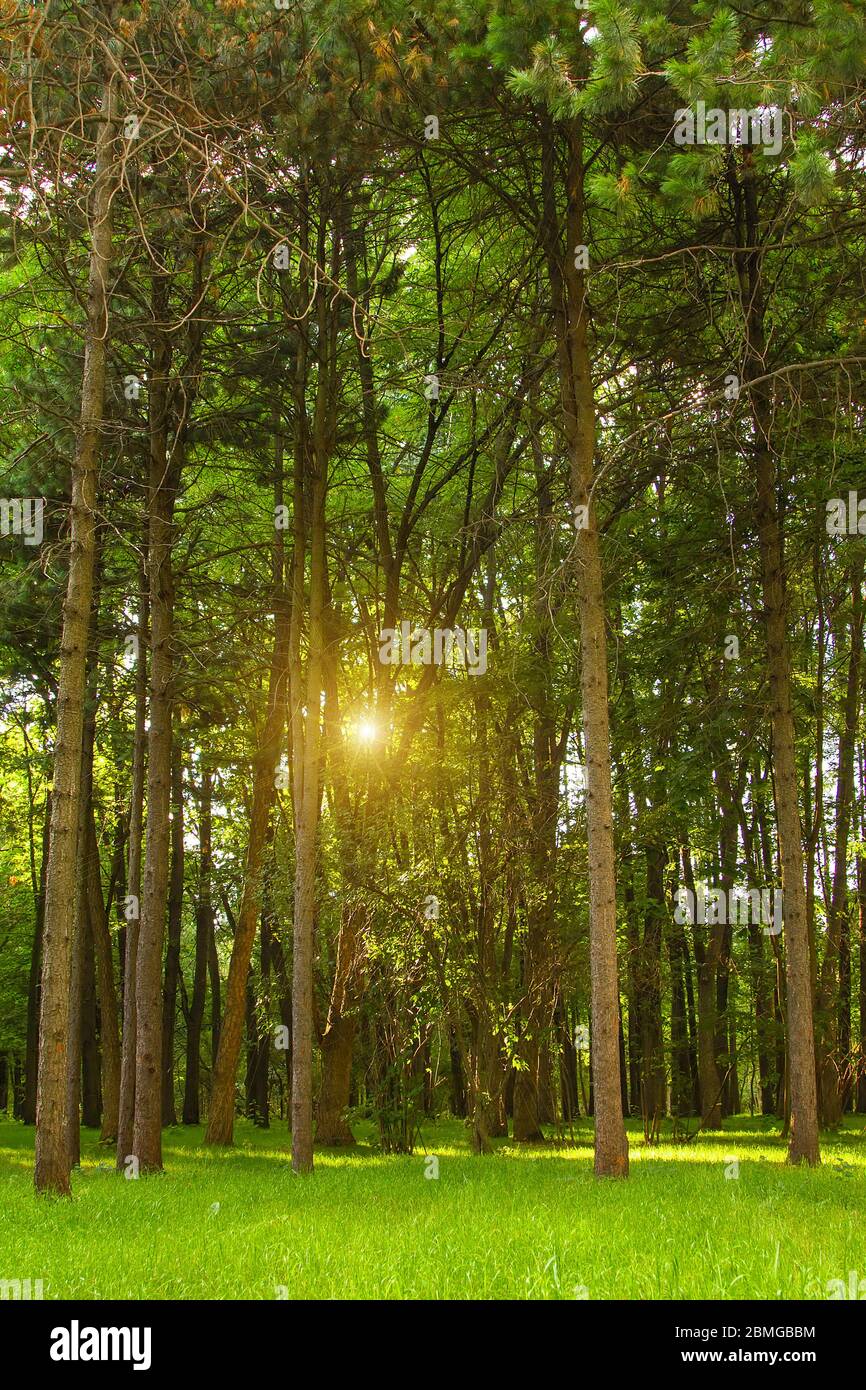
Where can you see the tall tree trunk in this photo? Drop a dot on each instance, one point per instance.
(132, 906)
(306, 836)
(213, 970)
(220, 1129)
(570, 307)
(52, 1156)
(175, 924)
(203, 929)
(529, 1099)
(833, 1003)
(106, 990)
(803, 1142)
(73, 1074)
(84, 1056)
(147, 1125)
(306, 724)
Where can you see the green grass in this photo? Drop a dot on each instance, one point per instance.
(520, 1224)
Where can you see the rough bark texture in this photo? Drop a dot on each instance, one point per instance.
(52, 1159)
(570, 310)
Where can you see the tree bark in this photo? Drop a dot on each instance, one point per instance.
(91, 1109)
(332, 1128)
(175, 925)
(106, 989)
(220, 1129)
(306, 835)
(52, 1156)
(132, 910)
(803, 1141)
(834, 1022)
(147, 1124)
(203, 929)
(571, 312)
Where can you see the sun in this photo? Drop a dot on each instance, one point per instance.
(366, 730)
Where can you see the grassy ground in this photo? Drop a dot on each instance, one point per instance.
(522, 1224)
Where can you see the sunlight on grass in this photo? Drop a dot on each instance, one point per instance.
(524, 1223)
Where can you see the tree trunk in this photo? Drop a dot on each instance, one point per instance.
(653, 1081)
(147, 1125)
(106, 990)
(681, 1080)
(707, 950)
(861, 905)
(203, 929)
(834, 1018)
(175, 925)
(570, 308)
(306, 839)
(132, 909)
(220, 1129)
(213, 969)
(52, 1155)
(262, 1089)
(91, 1110)
(332, 1128)
(803, 1141)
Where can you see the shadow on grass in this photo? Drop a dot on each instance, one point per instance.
(260, 1153)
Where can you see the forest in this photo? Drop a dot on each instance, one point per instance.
(432, 739)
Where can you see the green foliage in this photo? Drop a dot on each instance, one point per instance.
(549, 81)
(617, 62)
(615, 192)
(690, 183)
(812, 174)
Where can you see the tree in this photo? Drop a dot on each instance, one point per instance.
(52, 1161)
